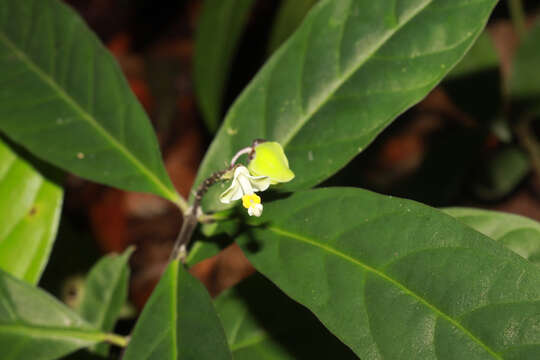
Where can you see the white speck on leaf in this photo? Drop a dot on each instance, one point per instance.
(80, 155)
(310, 155)
(232, 131)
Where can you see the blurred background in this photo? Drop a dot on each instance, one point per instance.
(465, 144)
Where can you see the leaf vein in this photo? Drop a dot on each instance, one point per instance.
(85, 115)
(335, 252)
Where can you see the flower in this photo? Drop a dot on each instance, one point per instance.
(269, 165)
(270, 161)
(252, 202)
(244, 184)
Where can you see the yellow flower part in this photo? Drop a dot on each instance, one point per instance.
(270, 160)
(249, 200)
(252, 202)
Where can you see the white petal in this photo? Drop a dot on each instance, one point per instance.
(260, 183)
(255, 210)
(244, 184)
(233, 193)
(241, 171)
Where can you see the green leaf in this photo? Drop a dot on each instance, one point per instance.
(518, 233)
(202, 250)
(395, 279)
(481, 57)
(262, 323)
(289, 16)
(105, 293)
(218, 32)
(350, 69)
(524, 82)
(217, 236)
(29, 215)
(34, 325)
(178, 322)
(66, 100)
(502, 173)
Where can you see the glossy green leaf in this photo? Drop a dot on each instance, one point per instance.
(65, 99)
(350, 69)
(395, 279)
(178, 322)
(202, 250)
(105, 293)
(502, 173)
(262, 323)
(289, 16)
(218, 33)
(518, 233)
(481, 57)
(217, 236)
(34, 325)
(30, 207)
(524, 82)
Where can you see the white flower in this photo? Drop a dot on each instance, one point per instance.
(245, 184)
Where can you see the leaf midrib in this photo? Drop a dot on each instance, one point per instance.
(48, 332)
(339, 83)
(174, 309)
(249, 342)
(392, 281)
(85, 115)
(107, 299)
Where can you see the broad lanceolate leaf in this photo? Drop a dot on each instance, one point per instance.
(288, 18)
(217, 236)
(178, 322)
(105, 293)
(30, 208)
(524, 84)
(262, 323)
(481, 57)
(34, 325)
(218, 31)
(342, 77)
(65, 99)
(518, 233)
(395, 279)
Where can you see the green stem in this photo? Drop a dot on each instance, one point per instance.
(181, 203)
(117, 340)
(190, 222)
(517, 15)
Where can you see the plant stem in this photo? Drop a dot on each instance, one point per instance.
(191, 214)
(191, 217)
(181, 203)
(517, 15)
(117, 340)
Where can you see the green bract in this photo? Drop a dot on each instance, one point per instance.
(270, 160)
